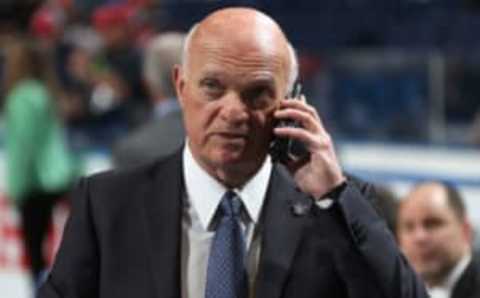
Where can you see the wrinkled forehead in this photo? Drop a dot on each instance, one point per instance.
(240, 42)
(248, 27)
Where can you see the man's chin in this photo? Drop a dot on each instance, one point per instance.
(230, 158)
(433, 272)
(237, 160)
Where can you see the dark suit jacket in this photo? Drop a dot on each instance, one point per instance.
(158, 138)
(123, 240)
(468, 286)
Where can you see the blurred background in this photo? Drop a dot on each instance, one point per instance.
(397, 84)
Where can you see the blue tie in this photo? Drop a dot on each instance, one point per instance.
(226, 272)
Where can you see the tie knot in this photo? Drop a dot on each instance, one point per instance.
(230, 204)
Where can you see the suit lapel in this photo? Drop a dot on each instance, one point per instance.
(466, 284)
(281, 231)
(162, 199)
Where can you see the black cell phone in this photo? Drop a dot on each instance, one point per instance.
(285, 149)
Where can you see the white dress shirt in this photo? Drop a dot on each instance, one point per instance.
(445, 289)
(203, 194)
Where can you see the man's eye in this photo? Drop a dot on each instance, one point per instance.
(211, 86)
(259, 97)
(433, 223)
(407, 227)
(258, 93)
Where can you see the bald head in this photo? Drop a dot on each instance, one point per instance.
(243, 30)
(438, 193)
(240, 19)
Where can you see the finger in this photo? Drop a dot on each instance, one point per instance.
(305, 119)
(312, 141)
(297, 104)
(300, 105)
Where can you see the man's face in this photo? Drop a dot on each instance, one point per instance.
(431, 234)
(228, 92)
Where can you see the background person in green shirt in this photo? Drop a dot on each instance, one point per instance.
(40, 169)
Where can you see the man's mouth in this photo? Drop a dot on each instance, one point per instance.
(232, 135)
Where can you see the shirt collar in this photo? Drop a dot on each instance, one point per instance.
(204, 192)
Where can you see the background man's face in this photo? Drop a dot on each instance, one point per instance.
(431, 235)
(228, 95)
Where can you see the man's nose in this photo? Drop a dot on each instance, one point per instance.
(420, 234)
(234, 109)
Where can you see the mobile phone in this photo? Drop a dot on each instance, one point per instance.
(284, 150)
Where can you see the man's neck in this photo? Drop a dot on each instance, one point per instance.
(235, 178)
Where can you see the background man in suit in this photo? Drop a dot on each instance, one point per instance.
(436, 236)
(164, 132)
(219, 219)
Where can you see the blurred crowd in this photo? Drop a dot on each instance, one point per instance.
(82, 74)
(96, 65)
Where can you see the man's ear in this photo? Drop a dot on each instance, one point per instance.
(467, 230)
(178, 81)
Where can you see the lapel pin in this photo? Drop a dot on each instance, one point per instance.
(301, 207)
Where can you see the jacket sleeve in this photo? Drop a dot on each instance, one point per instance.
(75, 273)
(376, 244)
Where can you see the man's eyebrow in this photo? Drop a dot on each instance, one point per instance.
(268, 81)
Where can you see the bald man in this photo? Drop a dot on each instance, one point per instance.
(436, 237)
(219, 218)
